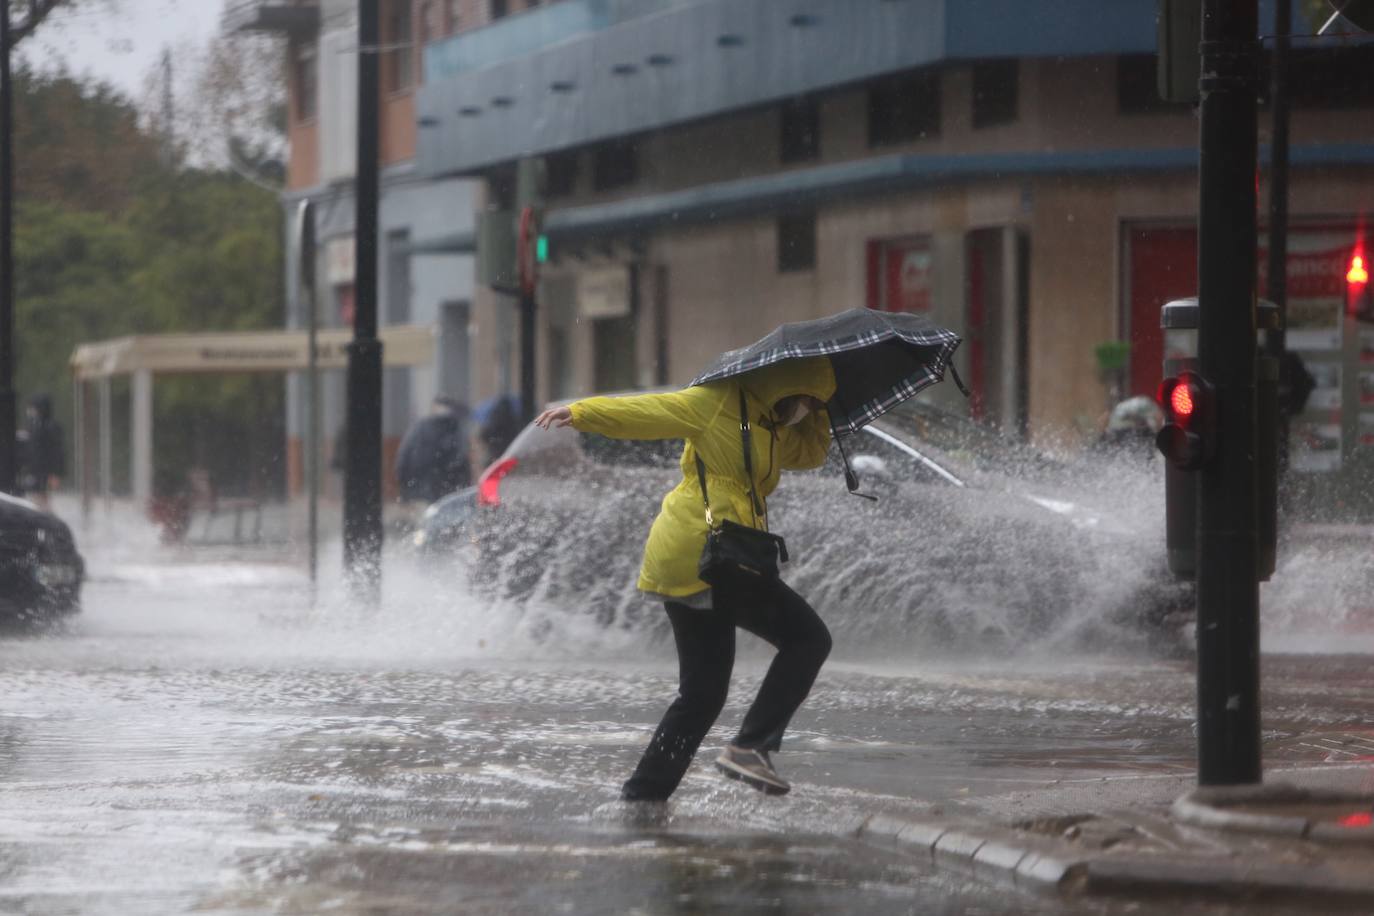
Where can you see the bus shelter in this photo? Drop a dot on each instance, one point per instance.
(145, 357)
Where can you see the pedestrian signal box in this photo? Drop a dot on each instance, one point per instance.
(1187, 438)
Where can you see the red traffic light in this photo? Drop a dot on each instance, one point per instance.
(1181, 401)
(1187, 438)
(1357, 275)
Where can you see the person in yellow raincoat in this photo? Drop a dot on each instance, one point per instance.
(790, 431)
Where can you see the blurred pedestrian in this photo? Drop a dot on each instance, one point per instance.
(1295, 384)
(44, 461)
(498, 423)
(1131, 428)
(432, 461)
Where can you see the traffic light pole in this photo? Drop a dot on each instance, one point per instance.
(1228, 555)
(1278, 210)
(8, 411)
(362, 534)
(527, 353)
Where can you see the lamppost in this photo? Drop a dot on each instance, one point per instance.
(7, 400)
(362, 541)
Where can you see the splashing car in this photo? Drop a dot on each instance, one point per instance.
(975, 540)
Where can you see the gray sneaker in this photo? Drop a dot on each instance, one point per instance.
(753, 768)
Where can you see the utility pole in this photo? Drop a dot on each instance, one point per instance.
(1278, 211)
(530, 182)
(1228, 544)
(363, 468)
(8, 465)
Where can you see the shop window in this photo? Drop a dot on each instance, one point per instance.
(904, 108)
(995, 92)
(1137, 86)
(800, 140)
(400, 38)
(796, 242)
(305, 74)
(614, 165)
(560, 173)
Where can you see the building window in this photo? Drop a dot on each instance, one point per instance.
(400, 39)
(498, 10)
(305, 74)
(905, 108)
(1331, 78)
(614, 165)
(560, 173)
(796, 242)
(455, 15)
(1137, 86)
(995, 90)
(800, 139)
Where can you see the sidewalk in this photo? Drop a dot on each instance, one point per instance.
(1307, 835)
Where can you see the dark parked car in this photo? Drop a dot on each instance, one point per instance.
(40, 569)
(975, 541)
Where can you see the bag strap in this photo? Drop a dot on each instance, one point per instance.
(747, 441)
(748, 468)
(701, 476)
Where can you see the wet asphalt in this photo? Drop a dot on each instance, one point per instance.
(208, 737)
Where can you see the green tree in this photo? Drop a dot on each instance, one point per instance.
(111, 239)
(27, 15)
(78, 144)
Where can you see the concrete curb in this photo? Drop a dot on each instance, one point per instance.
(1042, 864)
(1025, 861)
(1221, 808)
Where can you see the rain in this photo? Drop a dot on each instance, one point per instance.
(302, 610)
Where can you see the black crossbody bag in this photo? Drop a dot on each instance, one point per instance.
(735, 551)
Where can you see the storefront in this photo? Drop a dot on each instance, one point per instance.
(1332, 438)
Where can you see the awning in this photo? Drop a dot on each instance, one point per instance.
(244, 351)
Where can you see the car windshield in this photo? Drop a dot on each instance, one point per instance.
(962, 441)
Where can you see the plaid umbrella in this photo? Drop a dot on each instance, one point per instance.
(880, 359)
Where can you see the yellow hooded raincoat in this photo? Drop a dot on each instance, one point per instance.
(707, 416)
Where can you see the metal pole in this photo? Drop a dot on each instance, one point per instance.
(1278, 209)
(8, 415)
(527, 332)
(363, 468)
(305, 268)
(1228, 550)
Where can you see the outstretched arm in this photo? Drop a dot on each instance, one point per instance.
(673, 415)
(804, 446)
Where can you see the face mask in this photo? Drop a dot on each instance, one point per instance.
(800, 408)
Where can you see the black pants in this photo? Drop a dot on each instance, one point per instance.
(706, 655)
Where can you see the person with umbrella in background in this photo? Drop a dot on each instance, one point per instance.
(769, 407)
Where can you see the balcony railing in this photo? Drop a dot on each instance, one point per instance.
(270, 16)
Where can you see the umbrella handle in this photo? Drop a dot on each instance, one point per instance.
(851, 480)
(954, 373)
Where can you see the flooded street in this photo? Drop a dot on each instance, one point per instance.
(202, 738)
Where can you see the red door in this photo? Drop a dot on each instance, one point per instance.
(1162, 265)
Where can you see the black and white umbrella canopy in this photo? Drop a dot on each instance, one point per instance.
(879, 358)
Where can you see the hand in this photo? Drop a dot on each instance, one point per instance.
(554, 416)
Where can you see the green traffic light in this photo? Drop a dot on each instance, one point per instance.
(541, 249)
